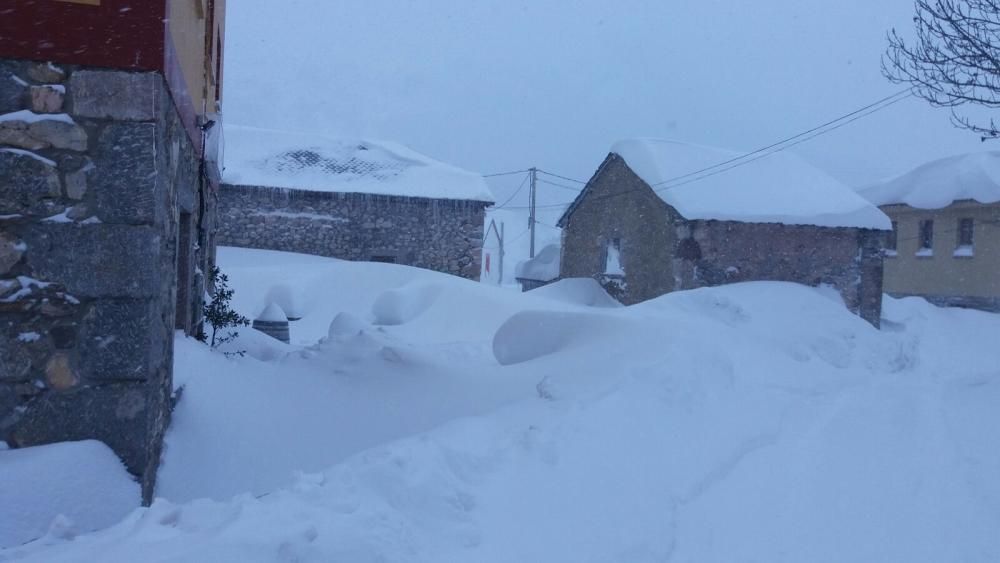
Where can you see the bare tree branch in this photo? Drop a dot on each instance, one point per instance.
(954, 60)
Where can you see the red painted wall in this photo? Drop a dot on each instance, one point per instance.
(125, 34)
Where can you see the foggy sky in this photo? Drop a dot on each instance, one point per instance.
(506, 84)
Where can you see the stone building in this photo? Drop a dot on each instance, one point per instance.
(657, 217)
(356, 200)
(945, 243)
(106, 214)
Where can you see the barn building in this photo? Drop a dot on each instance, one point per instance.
(350, 199)
(661, 216)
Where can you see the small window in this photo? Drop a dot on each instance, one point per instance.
(891, 241)
(384, 259)
(613, 258)
(966, 230)
(926, 238)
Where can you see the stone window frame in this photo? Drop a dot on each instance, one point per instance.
(965, 238)
(925, 238)
(892, 241)
(606, 244)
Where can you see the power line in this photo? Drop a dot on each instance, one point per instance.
(778, 147)
(517, 191)
(802, 134)
(561, 177)
(511, 173)
(563, 186)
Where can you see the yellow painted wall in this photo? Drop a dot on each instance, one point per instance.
(188, 30)
(944, 274)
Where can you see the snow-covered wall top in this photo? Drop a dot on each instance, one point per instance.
(940, 183)
(281, 159)
(543, 267)
(779, 188)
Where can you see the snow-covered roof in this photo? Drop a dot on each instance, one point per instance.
(940, 183)
(543, 267)
(281, 159)
(778, 188)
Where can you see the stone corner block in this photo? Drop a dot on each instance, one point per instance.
(98, 260)
(111, 94)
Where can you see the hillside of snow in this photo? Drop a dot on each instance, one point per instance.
(421, 417)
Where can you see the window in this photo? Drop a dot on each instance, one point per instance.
(613, 258)
(891, 241)
(926, 238)
(966, 229)
(384, 259)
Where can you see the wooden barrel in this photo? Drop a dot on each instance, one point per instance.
(274, 329)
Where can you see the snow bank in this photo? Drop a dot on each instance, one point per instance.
(398, 306)
(940, 183)
(578, 291)
(265, 157)
(779, 188)
(572, 433)
(543, 267)
(763, 410)
(62, 489)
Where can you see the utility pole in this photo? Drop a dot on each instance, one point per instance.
(531, 215)
(501, 253)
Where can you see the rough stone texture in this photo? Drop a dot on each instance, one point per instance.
(127, 173)
(437, 234)
(46, 99)
(120, 343)
(45, 73)
(13, 88)
(27, 182)
(15, 134)
(43, 134)
(76, 182)
(11, 251)
(87, 303)
(125, 256)
(123, 96)
(661, 251)
(59, 134)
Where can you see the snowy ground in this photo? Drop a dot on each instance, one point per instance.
(443, 420)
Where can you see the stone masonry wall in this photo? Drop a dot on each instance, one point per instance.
(711, 253)
(660, 251)
(441, 235)
(94, 170)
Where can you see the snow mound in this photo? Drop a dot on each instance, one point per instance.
(62, 489)
(283, 295)
(272, 314)
(940, 183)
(779, 188)
(402, 305)
(345, 324)
(281, 159)
(543, 267)
(529, 335)
(578, 291)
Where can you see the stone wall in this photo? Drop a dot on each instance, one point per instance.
(437, 234)
(712, 253)
(95, 169)
(660, 251)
